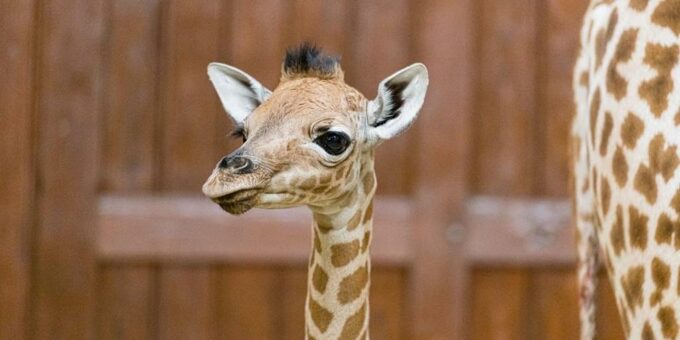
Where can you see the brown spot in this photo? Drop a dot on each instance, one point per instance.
(661, 274)
(620, 167)
(616, 234)
(667, 14)
(616, 84)
(638, 5)
(655, 91)
(369, 182)
(600, 46)
(669, 325)
(317, 242)
(675, 202)
(319, 279)
(368, 213)
(647, 333)
(645, 183)
(606, 132)
(321, 316)
(308, 184)
(354, 325)
(665, 228)
(344, 253)
(631, 130)
(583, 80)
(354, 221)
(605, 196)
(352, 285)
(594, 110)
(611, 26)
(632, 286)
(677, 118)
(663, 160)
(366, 241)
(637, 228)
(323, 223)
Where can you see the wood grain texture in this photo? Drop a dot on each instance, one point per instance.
(248, 303)
(126, 302)
(292, 312)
(190, 40)
(387, 304)
(131, 100)
(559, 40)
(187, 301)
(506, 120)
(17, 170)
(70, 98)
(384, 48)
(499, 299)
(443, 35)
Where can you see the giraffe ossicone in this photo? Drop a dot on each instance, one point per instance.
(311, 142)
(625, 143)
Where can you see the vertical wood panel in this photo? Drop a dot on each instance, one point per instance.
(249, 304)
(506, 122)
(16, 164)
(498, 302)
(560, 40)
(443, 36)
(384, 27)
(609, 325)
(553, 298)
(292, 313)
(187, 303)
(130, 103)
(324, 22)
(126, 302)
(190, 41)
(387, 304)
(69, 88)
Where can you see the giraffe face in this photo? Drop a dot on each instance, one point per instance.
(305, 142)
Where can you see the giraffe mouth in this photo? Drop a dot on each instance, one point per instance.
(238, 202)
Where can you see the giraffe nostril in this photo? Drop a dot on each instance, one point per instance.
(237, 164)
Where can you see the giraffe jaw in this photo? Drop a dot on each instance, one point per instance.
(238, 202)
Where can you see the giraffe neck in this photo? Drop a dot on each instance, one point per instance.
(339, 269)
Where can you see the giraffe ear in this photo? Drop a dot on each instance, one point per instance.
(239, 93)
(400, 97)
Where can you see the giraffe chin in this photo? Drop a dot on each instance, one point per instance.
(238, 202)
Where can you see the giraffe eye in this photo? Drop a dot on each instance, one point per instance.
(333, 142)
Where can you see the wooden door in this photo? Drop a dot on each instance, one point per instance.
(110, 127)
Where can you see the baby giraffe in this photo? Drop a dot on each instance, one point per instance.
(311, 142)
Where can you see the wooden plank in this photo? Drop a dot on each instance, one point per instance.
(258, 45)
(325, 23)
(126, 295)
(553, 300)
(292, 306)
(187, 298)
(505, 134)
(131, 100)
(498, 304)
(608, 322)
(247, 306)
(443, 38)
(502, 231)
(195, 229)
(16, 164)
(384, 48)
(69, 70)
(561, 24)
(190, 40)
(387, 304)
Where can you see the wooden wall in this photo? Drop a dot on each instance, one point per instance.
(110, 126)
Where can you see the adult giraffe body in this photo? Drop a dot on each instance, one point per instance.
(311, 142)
(626, 134)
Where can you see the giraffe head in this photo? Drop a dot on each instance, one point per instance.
(305, 143)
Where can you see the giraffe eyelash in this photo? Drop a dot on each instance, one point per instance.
(238, 132)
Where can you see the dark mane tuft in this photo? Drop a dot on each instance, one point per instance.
(309, 60)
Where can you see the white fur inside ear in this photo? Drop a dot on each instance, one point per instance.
(239, 93)
(400, 97)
